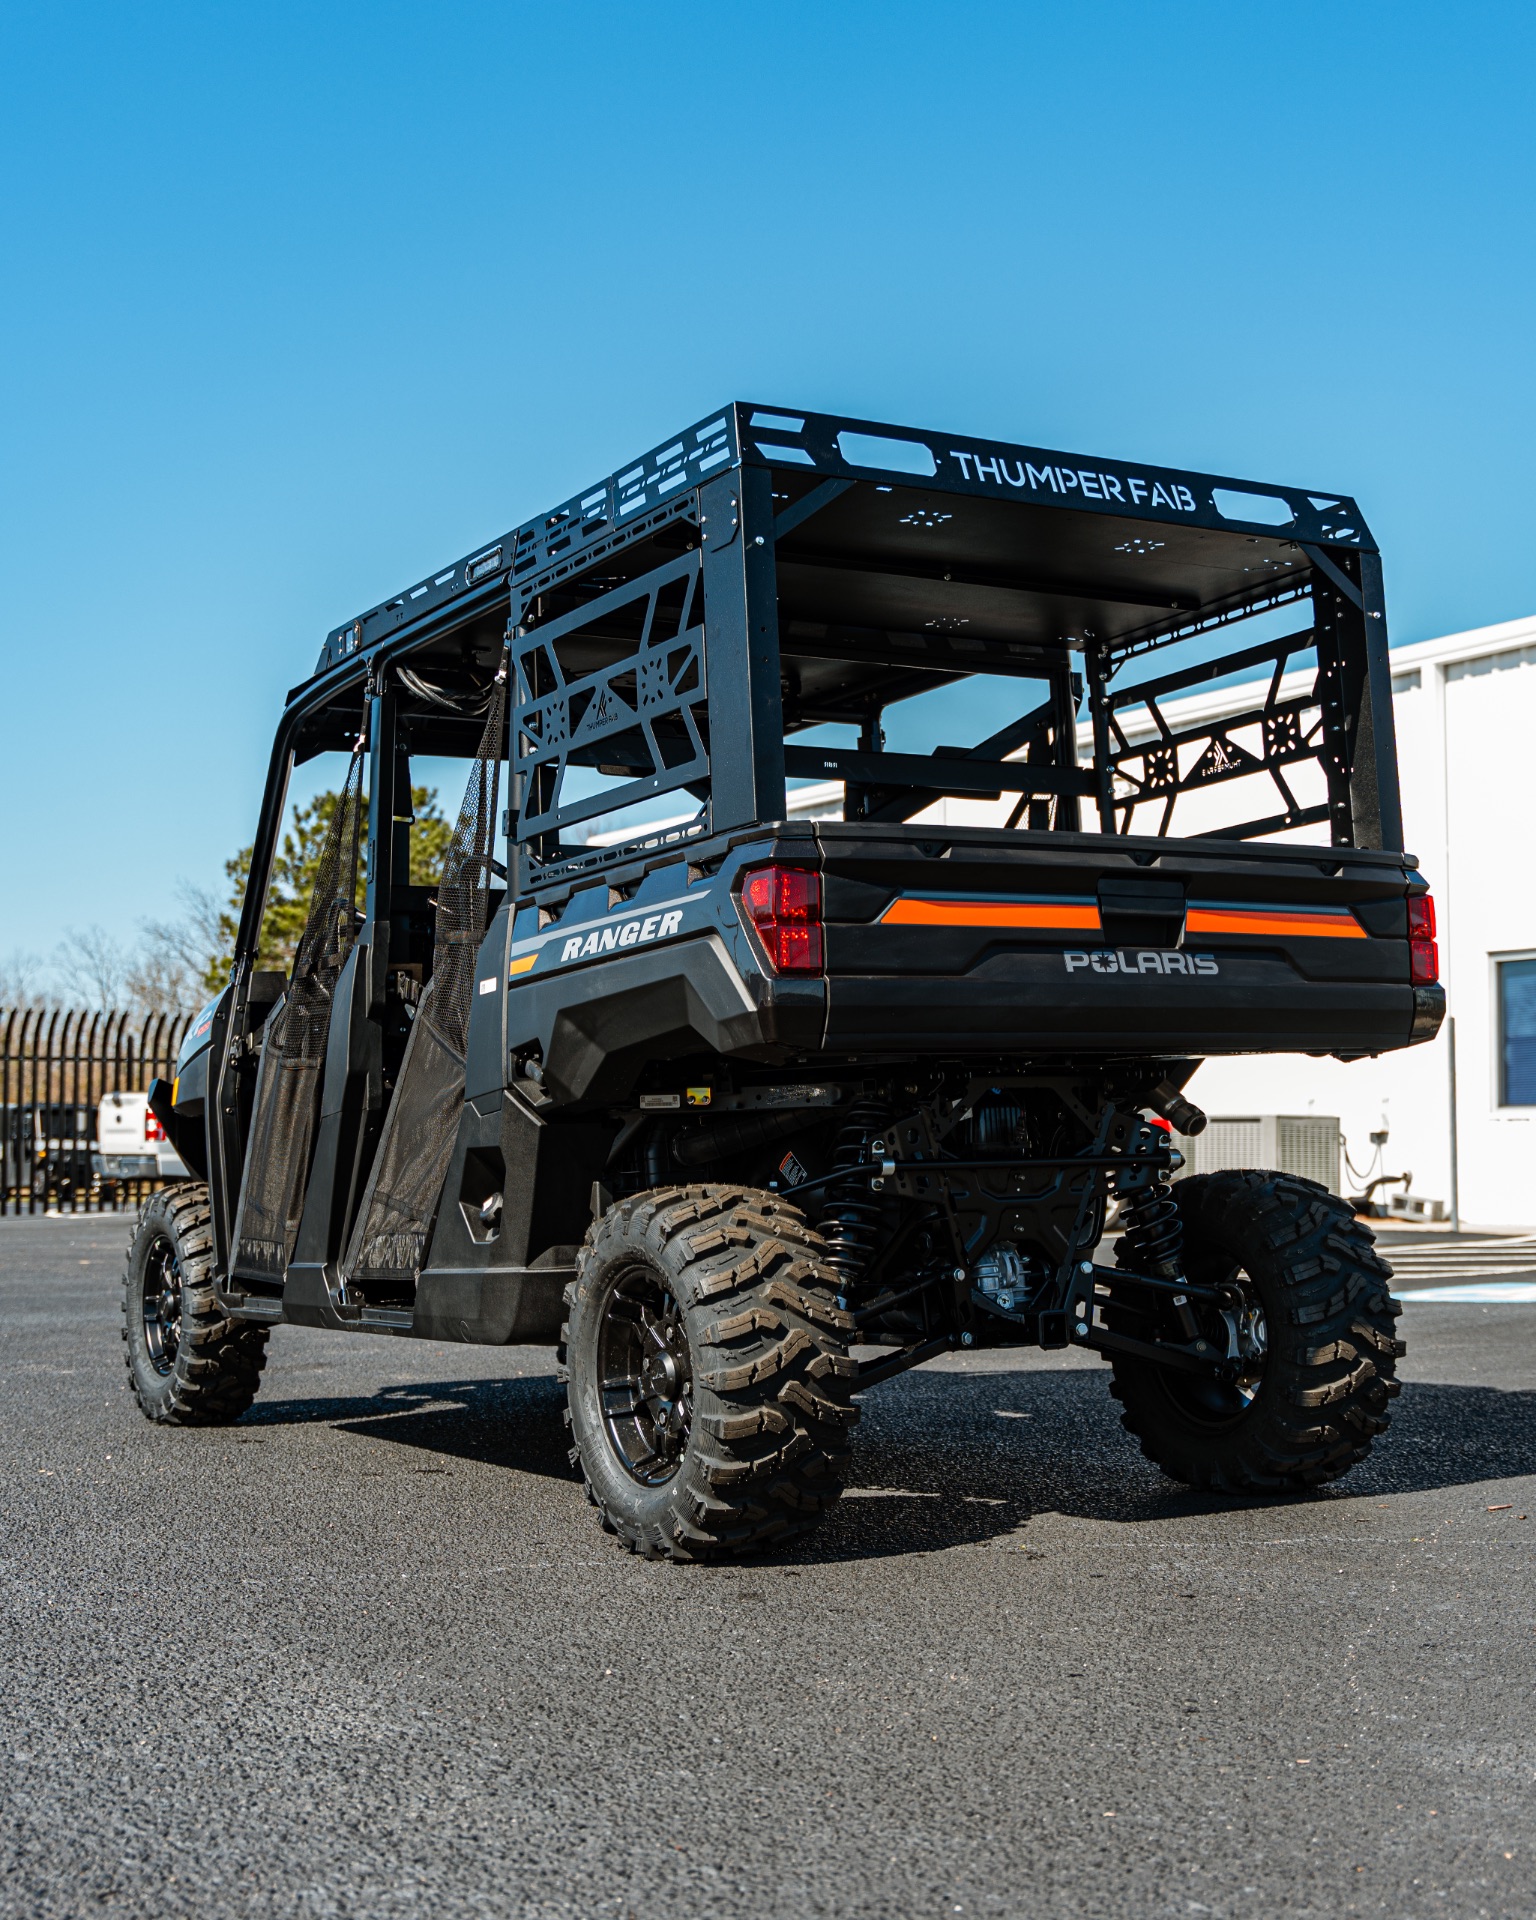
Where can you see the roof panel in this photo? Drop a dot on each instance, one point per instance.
(1105, 544)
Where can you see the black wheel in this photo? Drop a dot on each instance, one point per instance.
(708, 1374)
(1308, 1338)
(190, 1364)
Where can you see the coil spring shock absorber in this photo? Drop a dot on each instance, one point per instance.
(1153, 1241)
(851, 1224)
(1154, 1228)
(1154, 1231)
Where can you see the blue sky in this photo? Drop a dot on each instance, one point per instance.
(301, 302)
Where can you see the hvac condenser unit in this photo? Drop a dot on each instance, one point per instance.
(1301, 1143)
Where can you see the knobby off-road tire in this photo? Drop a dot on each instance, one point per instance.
(707, 1372)
(189, 1363)
(1317, 1396)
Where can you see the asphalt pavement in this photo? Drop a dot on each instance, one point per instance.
(367, 1653)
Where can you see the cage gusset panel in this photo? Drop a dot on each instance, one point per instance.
(293, 1051)
(560, 716)
(1293, 729)
(399, 1207)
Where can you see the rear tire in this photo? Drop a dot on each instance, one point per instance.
(1319, 1325)
(708, 1374)
(189, 1363)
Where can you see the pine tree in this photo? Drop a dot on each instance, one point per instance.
(293, 877)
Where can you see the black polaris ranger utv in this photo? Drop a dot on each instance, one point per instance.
(751, 1095)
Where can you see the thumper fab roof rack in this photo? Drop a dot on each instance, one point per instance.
(847, 564)
(581, 530)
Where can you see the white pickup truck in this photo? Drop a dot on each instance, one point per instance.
(131, 1143)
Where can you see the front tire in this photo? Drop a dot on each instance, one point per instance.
(189, 1363)
(708, 1374)
(1319, 1355)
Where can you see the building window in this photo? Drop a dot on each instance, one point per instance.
(1517, 1033)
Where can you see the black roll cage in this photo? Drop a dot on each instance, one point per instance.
(675, 625)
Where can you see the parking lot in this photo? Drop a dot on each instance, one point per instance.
(367, 1652)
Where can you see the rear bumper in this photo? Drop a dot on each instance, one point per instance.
(1037, 1002)
(1428, 1013)
(127, 1166)
(139, 1166)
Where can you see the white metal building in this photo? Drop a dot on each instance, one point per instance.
(1466, 733)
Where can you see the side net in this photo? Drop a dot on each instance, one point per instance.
(400, 1201)
(293, 1052)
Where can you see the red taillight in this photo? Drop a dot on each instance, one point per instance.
(783, 906)
(1423, 953)
(152, 1127)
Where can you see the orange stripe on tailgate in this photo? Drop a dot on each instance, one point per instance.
(909, 912)
(1324, 923)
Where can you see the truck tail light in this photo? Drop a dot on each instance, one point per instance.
(152, 1127)
(783, 907)
(1423, 952)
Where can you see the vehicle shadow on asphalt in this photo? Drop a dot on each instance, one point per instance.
(498, 1423)
(945, 1460)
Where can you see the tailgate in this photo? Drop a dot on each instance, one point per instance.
(978, 940)
(120, 1124)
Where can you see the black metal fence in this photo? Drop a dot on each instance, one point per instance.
(56, 1066)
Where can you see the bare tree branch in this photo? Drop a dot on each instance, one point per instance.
(92, 968)
(158, 980)
(172, 966)
(21, 980)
